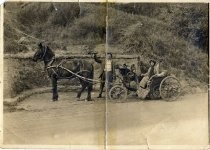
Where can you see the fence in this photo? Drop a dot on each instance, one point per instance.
(21, 73)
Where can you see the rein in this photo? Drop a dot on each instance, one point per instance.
(81, 77)
(74, 74)
(45, 51)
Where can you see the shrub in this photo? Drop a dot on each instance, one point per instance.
(89, 29)
(34, 13)
(64, 13)
(26, 75)
(48, 13)
(13, 47)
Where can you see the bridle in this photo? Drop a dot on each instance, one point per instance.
(45, 51)
(44, 54)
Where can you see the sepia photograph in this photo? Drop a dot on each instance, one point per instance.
(109, 75)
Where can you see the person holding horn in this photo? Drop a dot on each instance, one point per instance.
(106, 71)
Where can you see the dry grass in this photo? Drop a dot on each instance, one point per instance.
(176, 33)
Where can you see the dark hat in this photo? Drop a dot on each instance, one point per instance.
(109, 53)
(125, 64)
(152, 60)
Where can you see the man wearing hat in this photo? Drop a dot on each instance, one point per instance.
(106, 72)
(146, 76)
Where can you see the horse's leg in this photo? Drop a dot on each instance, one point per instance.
(102, 84)
(81, 90)
(90, 85)
(90, 88)
(54, 88)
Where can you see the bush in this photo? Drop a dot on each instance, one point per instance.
(64, 13)
(89, 29)
(176, 32)
(14, 47)
(155, 40)
(59, 14)
(34, 13)
(190, 21)
(26, 75)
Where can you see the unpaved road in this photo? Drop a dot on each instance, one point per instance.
(132, 122)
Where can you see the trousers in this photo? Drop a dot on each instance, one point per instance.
(106, 77)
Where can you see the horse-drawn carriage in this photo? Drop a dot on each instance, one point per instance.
(166, 87)
(126, 82)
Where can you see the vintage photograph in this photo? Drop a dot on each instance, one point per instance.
(105, 74)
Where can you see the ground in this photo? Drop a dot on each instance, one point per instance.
(37, 120)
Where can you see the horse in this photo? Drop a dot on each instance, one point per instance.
(67, 69)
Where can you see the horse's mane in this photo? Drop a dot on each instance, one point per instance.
(50, 52)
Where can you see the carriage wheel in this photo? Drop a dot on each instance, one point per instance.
(126, 80)
(118, 92)
(155, 92)
(170, 88)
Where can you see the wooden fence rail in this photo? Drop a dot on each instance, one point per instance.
(70, 56)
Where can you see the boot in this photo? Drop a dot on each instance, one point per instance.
(99, 96)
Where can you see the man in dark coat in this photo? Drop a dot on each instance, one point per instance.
(106, 72)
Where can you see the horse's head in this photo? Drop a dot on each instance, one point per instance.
(39, 54)
(43, 53)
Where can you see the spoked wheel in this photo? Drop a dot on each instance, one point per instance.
(118, 92)
(155, 92)
(126, 80)
(170, 88)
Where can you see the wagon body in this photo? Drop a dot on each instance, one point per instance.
(165, 87)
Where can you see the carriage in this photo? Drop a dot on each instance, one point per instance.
(165, 87)
(126, 82)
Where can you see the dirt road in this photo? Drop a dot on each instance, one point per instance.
(37, 120)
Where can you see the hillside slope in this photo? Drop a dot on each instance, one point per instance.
(176, 33)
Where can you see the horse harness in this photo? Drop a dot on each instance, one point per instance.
(75, 73)
(45, 51)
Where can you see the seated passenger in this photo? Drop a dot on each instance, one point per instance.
(133, 68)
(162, 74)
(124, 69)
(146, 76)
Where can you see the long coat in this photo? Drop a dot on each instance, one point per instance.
(102, 68)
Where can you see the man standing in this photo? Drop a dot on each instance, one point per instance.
(106, 72)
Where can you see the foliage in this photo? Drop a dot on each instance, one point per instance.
(174, 32)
